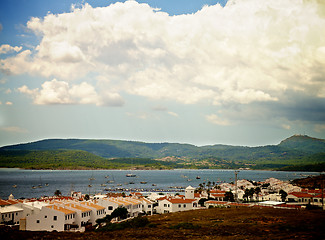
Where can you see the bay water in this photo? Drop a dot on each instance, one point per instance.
(36, 183)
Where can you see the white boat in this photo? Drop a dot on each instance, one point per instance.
(130, 175)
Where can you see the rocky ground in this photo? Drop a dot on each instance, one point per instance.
(226, 223)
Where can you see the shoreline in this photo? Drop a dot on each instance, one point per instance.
(151, 169)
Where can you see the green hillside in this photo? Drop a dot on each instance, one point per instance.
(296, 152)
(304, 143)
(73, 159)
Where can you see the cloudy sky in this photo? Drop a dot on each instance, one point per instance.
(240, 72)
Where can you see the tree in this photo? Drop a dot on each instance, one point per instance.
(246, 194)
(120, 213)
(86, 197)
(251, 193)
(202, 201)
(57, 193)
(229, 197)
(283, 194)
(257, 192)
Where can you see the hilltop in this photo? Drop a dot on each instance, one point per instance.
(298, 152)
(214, 223)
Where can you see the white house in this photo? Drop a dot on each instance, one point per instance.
(51, 218)
(108, 203)
(97, 211)
(147, 206)
(189, 192)
(176, 205)
(83, 214)
(300, 197)
(11, 214)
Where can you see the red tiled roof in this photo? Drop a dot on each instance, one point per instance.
(301, 195)
(162, 198)
(180, 200)
(217, 191)
(12, 201)
(4, 202)
(320, 195)
(136, 193)
(311, 191)
(217, 194)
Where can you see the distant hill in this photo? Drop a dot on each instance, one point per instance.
(304, 143)
(294, 151)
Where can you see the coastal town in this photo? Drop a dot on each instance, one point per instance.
(79, 211)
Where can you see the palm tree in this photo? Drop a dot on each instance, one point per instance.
(257, 192)
(57, 193)
(229, 197)
(283, 195)
(251, 193)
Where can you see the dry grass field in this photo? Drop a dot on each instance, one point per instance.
(226, 223)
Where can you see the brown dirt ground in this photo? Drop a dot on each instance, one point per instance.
(227, 223)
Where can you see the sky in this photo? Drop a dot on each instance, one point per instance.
(203, 72)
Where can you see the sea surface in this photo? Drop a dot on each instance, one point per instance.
(36, 183)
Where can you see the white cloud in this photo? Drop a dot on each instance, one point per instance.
(173, 114)
(14, 129)
(319, 128)
(249, 51)
(286, 126)
(59, 92)
(213, 118)
(5, 48)
(140, 115)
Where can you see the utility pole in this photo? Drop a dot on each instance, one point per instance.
(322, 185)
(236, 192)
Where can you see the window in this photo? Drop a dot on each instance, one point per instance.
(55, 218)
(37, 221)
(149, 206)
(184, 205)
(52, 226)
(110, 207)
(45, 216)
(179, 205)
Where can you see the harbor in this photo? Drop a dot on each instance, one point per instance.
(20, 182)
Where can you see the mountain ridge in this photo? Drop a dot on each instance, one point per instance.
(292, 151)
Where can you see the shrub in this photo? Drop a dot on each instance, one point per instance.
(133, 223)
(184, 225)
